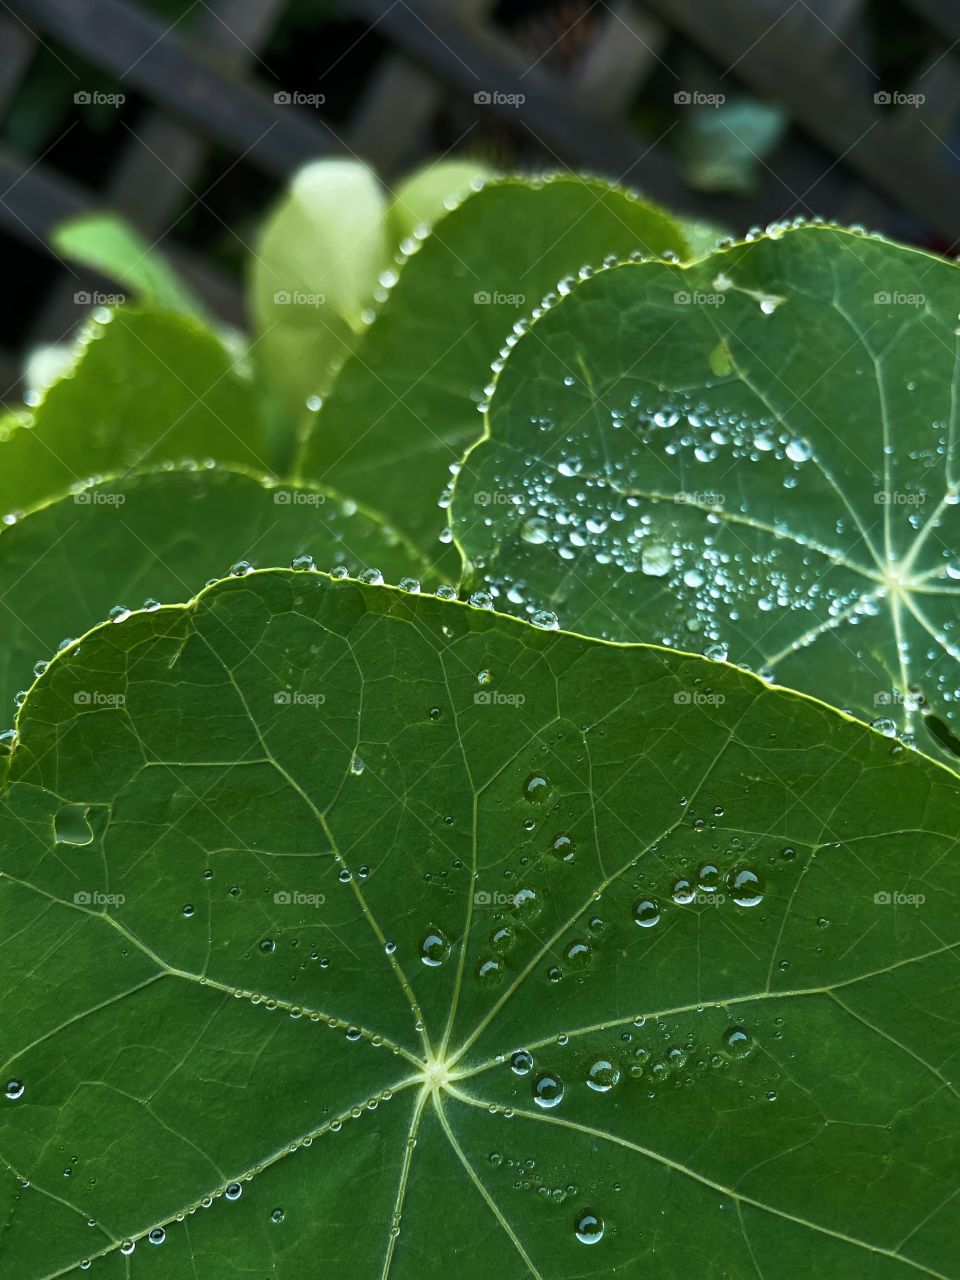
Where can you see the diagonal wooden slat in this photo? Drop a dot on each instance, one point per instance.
(475, 60)
(141, 52)
(767, 55)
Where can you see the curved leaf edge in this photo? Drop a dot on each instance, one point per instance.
(506, 619)
(312, 421)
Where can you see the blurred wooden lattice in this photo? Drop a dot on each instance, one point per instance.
(581, 66)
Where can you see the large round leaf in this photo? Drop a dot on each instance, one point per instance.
(162, 536)
(408, 937)
(404, 406)
(754, 455)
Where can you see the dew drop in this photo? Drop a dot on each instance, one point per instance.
(603, 1075)
(745, 887)
(562, 846)
(434, 949)
(737, 1041)
(536, 788)
(547, 1090)
(683, 891)
(545, 620)
(14, 1089)
(521, 1062)
(157, 1235)
(646, 913)
(589, 1227)
(234, 1191)
(656, 561)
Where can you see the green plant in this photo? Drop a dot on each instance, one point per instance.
(351, 926)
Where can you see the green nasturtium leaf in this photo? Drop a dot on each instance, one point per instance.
(404, 407)
(148, 387)
(316, 269)
(355, 932)
(313, 274)
(110, 245)
(161, 536)
(430, 192)
(757, 456)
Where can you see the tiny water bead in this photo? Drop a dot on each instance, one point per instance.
(127, 1248)
(234, 1191)
(157, 1235)
(547, 1090)
(278, 1215)
(522, 1062)
(745, 887)
(603, 1075)
(13, 1089)
(646, 913)
(589, 1227)
(434, 948)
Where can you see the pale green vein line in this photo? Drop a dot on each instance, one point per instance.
(491, 1203)
(404, 1179)
(750, 998)
(735, 1196)
(601, 888)
(885, 1035)
(324, 824)
(168, 970)
(78, 1017)
(274, 1158)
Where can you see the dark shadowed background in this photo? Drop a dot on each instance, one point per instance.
(188, 116)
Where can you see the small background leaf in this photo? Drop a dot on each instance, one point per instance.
(111, 246)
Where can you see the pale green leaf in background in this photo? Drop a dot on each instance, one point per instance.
(431, 192)
(317, 265)
(111, 246)
(404, 407)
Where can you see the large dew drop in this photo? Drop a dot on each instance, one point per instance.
(745, 887)
(603, 1075)
(434, 948)
(547, 1090)
(589, 1227)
